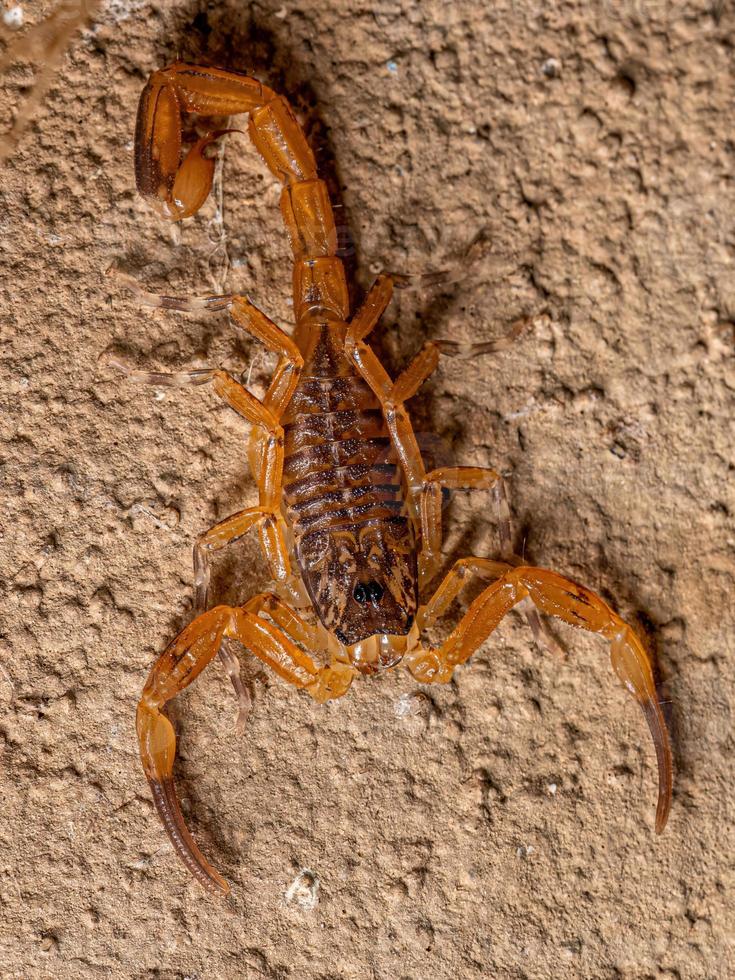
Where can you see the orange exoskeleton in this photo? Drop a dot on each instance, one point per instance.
(349, 518)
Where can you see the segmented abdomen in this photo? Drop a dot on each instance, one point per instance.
(339, 470)
(343, 498)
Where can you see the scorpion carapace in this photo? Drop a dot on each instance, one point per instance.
(348, 517)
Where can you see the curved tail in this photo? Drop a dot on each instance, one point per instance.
(178, 188)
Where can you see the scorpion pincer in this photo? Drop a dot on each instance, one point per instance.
(348, 517)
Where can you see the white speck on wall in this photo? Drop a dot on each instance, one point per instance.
(410, 704)
(303, 891)
(551, 68)
(415, 710)
(552, 788)
(13, 17)
(404, 706)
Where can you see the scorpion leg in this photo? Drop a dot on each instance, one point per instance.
(231, 663)
(374, 374)
(272, 528)
(230, 390)
(180, 664)
(426, 361)
(425, 490)
(286, 618)
(247, 316)
(285, 378)
(279, 393)
(373, 307)
(453, 478)
(223, 533)
(458, 478)
(473, 478)
(454, 582)
(241, 309)
(556, 596)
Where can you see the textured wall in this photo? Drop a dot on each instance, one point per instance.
(502, 826)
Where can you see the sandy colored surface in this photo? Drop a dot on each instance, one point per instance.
(499, 827)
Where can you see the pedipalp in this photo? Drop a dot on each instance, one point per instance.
(564, 599)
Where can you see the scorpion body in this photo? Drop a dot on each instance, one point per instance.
(349, 519)
(346, 503)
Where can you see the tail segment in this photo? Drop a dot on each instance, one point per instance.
(179, 188)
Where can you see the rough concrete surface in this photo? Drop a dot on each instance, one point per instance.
(501, 826)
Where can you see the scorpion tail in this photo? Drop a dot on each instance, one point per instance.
(177, 189)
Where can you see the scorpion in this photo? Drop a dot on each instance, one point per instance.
(348, 517)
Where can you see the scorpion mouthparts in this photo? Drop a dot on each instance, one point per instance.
(382, 651)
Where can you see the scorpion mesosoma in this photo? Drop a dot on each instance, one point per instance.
(348, 517)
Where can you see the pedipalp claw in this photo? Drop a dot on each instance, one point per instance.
(157, 140)
(158, 749)
(632, 666)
